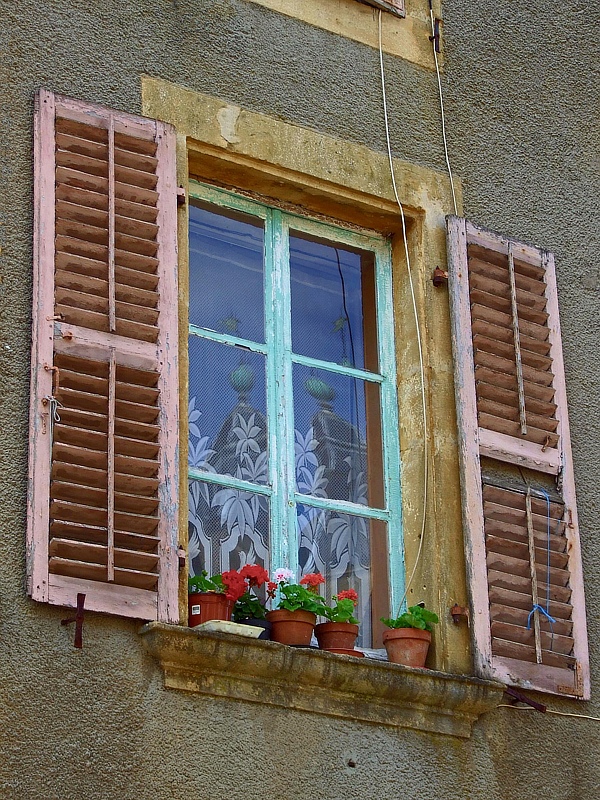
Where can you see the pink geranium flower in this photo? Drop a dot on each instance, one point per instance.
(282, 575)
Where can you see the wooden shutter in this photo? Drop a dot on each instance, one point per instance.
(521, 537)
(395, 6)
(102, 504)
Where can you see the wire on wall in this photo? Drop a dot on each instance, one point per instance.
(439, 82)
(550, 711)
(417, 325)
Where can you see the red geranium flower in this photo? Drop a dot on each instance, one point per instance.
(348, 594)
(235, 584)
(271, 589)
(312, 580)
(255, 574)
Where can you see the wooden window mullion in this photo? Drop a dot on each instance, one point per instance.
(281, 419)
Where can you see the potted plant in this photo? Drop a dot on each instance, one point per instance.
(339, 633)
(213, 598)
(249, 609)
(409, 637)
(293, 621)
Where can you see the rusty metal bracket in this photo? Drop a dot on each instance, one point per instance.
(440, 277)
(181, 198)
(78, 620)
(436, 35)
(522, 698)
(459, 613)
(181, 557)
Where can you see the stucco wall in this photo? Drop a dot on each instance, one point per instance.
(522, 99)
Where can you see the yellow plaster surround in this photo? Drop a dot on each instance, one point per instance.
(406, 37)
(323, 176)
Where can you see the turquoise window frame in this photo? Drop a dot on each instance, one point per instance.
(280, 358)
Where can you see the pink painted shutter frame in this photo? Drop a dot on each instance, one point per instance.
(507, 531)
(103, 454)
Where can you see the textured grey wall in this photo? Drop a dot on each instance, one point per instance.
(522, 112)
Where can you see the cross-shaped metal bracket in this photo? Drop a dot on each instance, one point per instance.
(78, 620)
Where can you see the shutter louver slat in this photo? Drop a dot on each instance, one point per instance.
(522, 544)
(135, 261)
(494, 423)
(109, 529)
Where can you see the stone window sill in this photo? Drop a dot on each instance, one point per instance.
(224, 665)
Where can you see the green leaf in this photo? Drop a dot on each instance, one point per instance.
(248, 607)
(415, 617)
(202, 583)
(294, 597)
(342, 611)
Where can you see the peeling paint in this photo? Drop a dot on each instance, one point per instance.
(228, 119)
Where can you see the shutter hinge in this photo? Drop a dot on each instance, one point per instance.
(181, 557)
(577, 689)
(181, 199)
(55, 375)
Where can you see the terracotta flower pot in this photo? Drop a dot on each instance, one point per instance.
(407, 646)
(291, 627)
(204, 606)
(336, 635)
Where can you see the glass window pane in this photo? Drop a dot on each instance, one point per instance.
(342, 547)
(227, 528)
(226, 273)
(227, 410)
(337, 437)
(333, 303)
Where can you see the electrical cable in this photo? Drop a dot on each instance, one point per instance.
(434, 38)
(550, 711)
(417, 325)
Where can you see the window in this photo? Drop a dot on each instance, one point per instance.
(293, 448)
(293, 427)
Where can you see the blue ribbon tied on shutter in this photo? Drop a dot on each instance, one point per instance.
(543, 611)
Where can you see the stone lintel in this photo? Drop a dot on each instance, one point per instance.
(238, 668)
